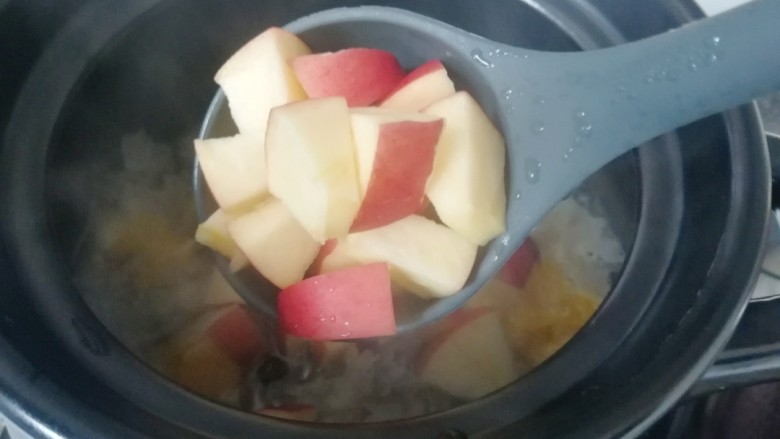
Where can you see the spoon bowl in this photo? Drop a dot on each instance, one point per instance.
(563, 115)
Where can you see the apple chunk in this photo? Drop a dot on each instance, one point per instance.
(213, 233)
(311, 165)
(421, 87)
(211, 355)
(361, 75)
(518, 268)
(234, 168)
(351, 303)
(258, 77)
(395, 152)
(237, 335)
(471, 358)
(333, 256)
(425, 257)
(467, 183)
(275, 243)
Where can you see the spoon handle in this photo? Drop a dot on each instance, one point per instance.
(655, 85)
(566, 115)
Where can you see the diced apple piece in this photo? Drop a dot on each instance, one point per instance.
(239, 261)
(518, 268)
(352, 303)
(258, 77)
(395, 152)
(362, 76)
(428, 258)
(338, 259)
(311, 165)
(471, 358)
(213, 233)
(211, 355)
(234, 168)
(299, 412)
(237, 335)
(421, 87)
(467, 183)
(333, 256)
(276, 244)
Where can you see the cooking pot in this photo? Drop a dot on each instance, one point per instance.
(692, 209)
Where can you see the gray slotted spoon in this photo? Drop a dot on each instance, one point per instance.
(564, 115)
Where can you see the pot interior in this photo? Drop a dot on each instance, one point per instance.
(121, 220)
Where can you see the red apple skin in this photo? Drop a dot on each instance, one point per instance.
(403, 163)
(361, 75)
(237, 335)
(352, 303)
(519, 266)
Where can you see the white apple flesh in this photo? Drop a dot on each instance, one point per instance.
(234, 168)
(427, 258)
(258, 77)
(471, 358)
(333, 256)
(213, 233)
(275, 243)
(467, 183)
(421, 87)
(311, 165)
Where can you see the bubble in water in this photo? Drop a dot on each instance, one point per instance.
(505, 240)
(537, 128)
(539, 100)
(532, 170)
(579, 114)
(692, 66)
(479, 57)
(518, 195)
(508, 94)
(332, 318)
